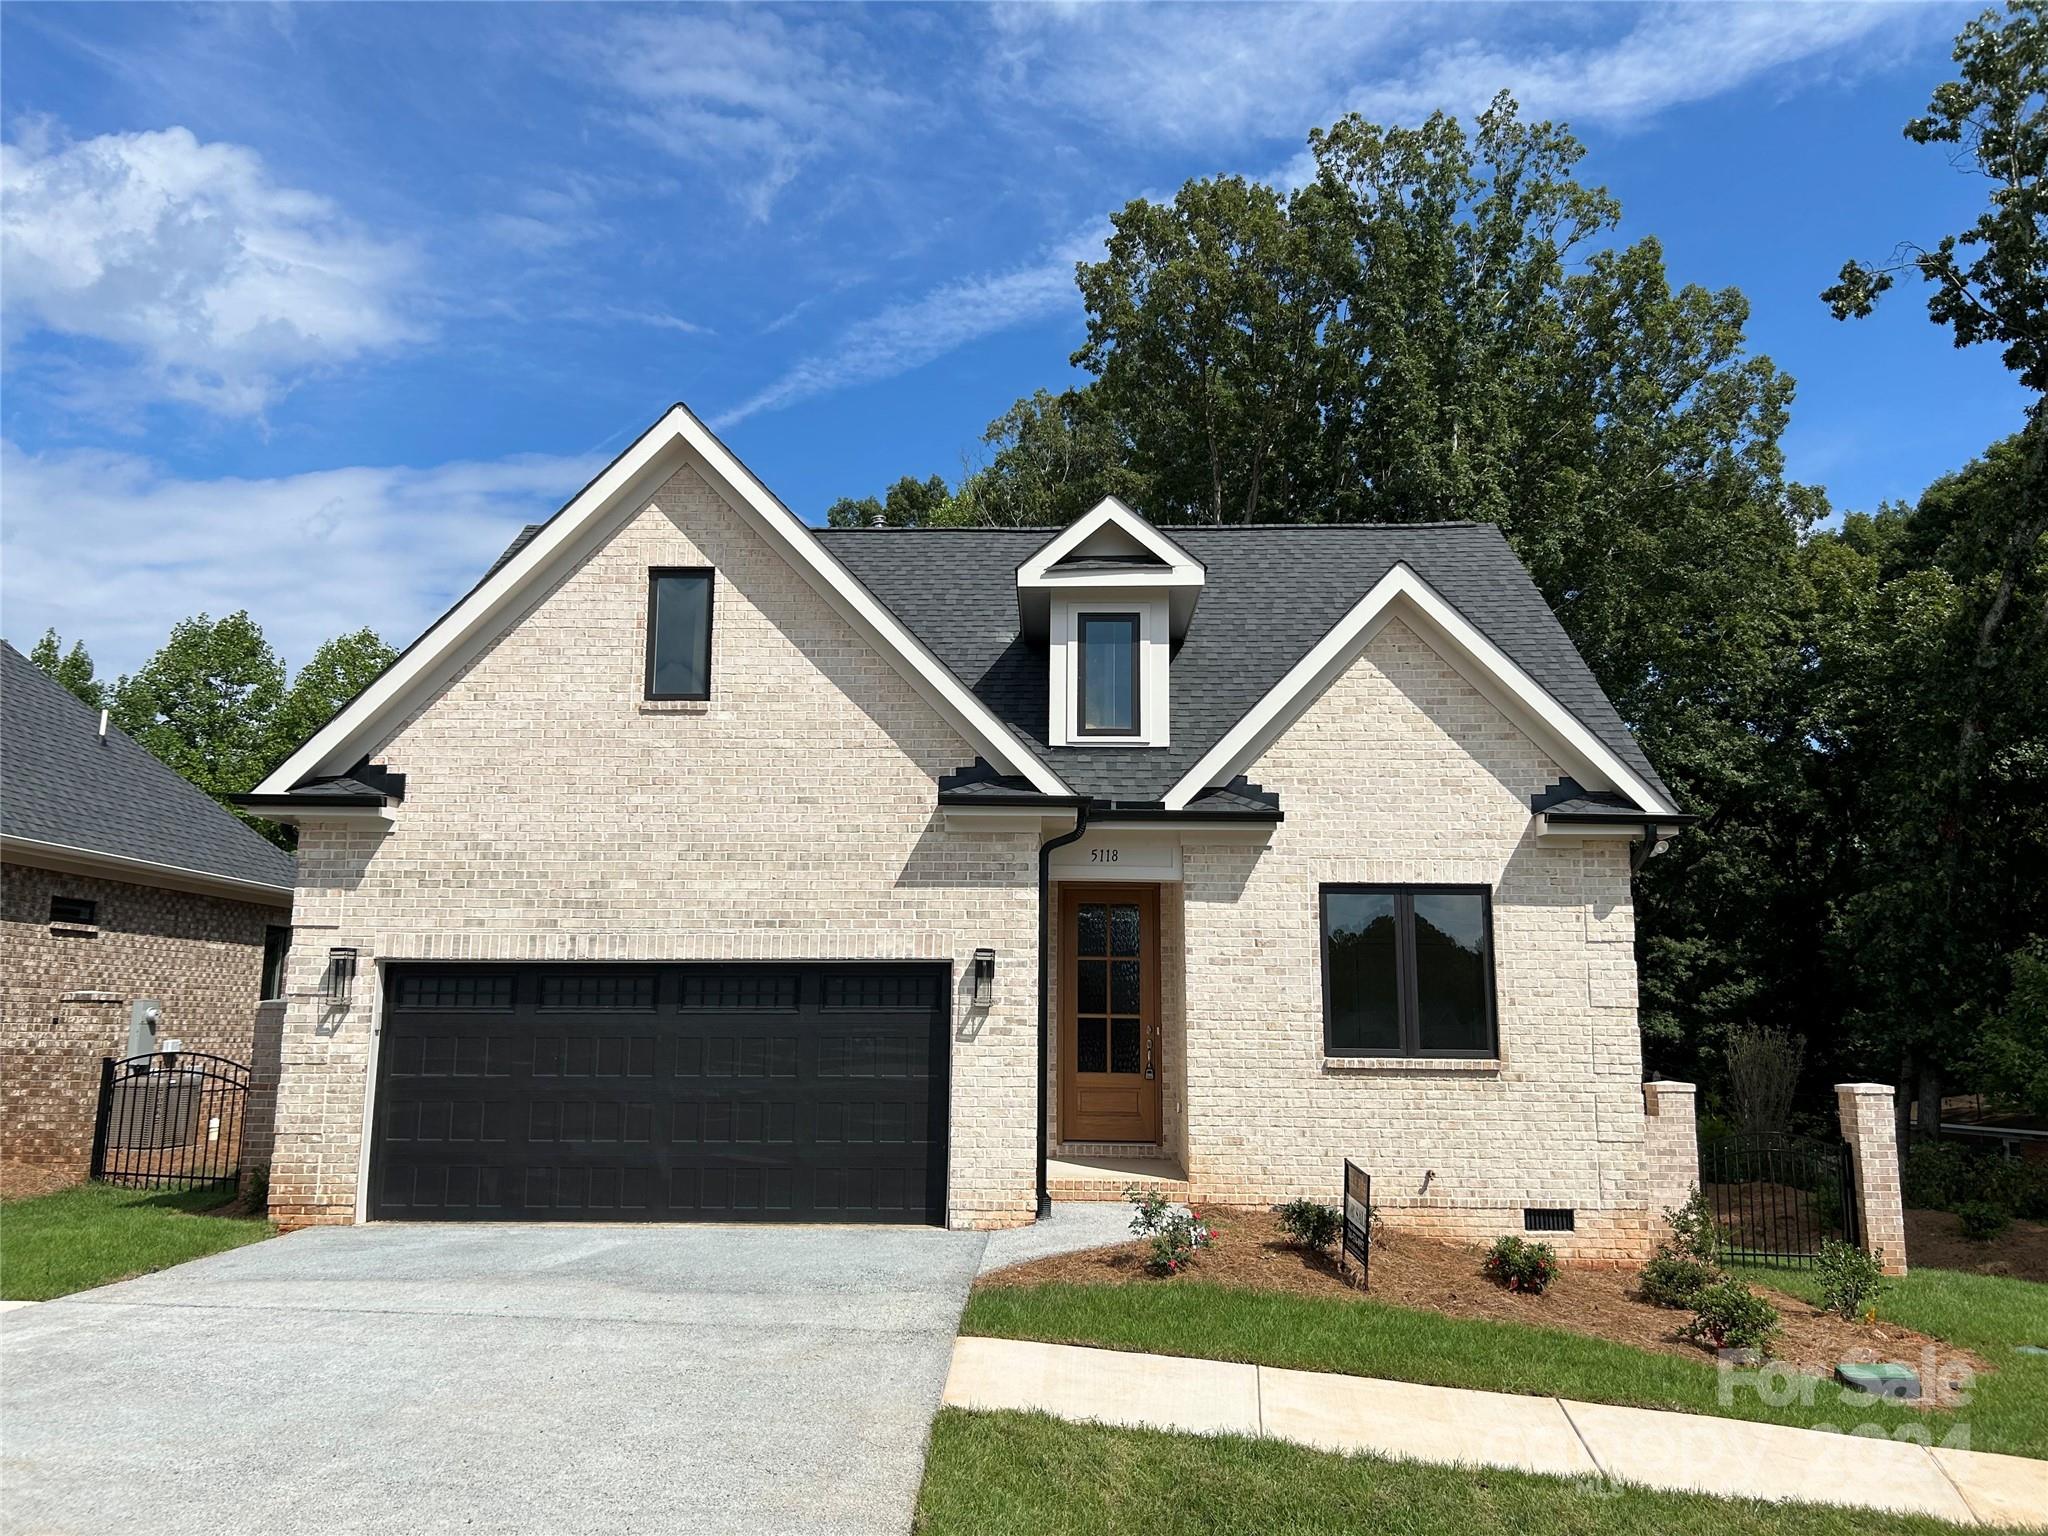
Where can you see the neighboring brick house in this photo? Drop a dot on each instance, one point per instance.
(121, 886)
(694, 866)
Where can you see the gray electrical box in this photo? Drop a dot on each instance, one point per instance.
(145, 1018)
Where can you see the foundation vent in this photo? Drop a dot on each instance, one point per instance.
(1539, 1218)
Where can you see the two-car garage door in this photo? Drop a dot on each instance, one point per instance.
(661, 1093)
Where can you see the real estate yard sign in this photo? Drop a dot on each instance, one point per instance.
(1357, 1248)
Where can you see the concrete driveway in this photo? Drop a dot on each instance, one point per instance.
(491, 1379)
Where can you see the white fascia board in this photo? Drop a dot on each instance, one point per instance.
(676, 438)
(1549, 831)
(91, 862)
(1476, 658)
(1106, 512)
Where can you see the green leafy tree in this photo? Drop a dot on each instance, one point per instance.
(72, 668)
(1052, 458)
(207, 702)
(340, 669)
(909, 503)
(1973, 611)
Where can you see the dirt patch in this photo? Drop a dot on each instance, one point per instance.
(1252, 1252)
(21, 1181)
(1934, 1240)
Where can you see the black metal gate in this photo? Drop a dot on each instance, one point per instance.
(170, 1121)
(1775, 1197)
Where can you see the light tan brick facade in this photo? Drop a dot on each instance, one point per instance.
(552, 814)
(66, 992)
(1403, 773)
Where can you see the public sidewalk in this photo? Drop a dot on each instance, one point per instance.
(1690, 1453)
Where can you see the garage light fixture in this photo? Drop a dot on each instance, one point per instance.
(984, 977)
(339, 984)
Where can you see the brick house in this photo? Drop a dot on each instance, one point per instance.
(699, 865)
(133, 910)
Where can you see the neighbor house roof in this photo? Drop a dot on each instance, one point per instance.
(70, 795)
(1273, 592)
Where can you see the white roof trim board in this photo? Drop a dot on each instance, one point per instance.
(1478, 659)
(1183, 569)
(478, 617)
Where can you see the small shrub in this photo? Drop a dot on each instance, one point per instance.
(256, 1192)
(1177, 1235)
(1983, 1220)
(1729, 1315)
(1850, 1279)
(1694, 1232)
(1674, 1279)
(1521, 1266)
(1311, 1224)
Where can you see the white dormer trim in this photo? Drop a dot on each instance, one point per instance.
(1108, 516)
(1110, 528)
(1477, 659)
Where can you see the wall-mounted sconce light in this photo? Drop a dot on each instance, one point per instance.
(339, 984)
(984, 977)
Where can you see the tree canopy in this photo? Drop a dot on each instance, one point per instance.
(1441, 324)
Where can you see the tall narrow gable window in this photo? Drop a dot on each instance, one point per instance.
(679, 634)
(1408, 971)
(1107, 674)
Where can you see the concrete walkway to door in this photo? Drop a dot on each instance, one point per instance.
(423, 1379)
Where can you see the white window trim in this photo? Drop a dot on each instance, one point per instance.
(1476, 658)
(1063, 727)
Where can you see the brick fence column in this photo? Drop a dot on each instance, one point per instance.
(259, 1116)
(1671, 1148)
(1866, 1111)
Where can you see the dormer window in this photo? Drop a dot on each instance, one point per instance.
(1107, 674)
(1108, 598)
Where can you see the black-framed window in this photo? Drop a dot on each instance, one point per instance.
(1106, 676)
(74, 911)
(277, 946)
(679, 633)
(1408, 970)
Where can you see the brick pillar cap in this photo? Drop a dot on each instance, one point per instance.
(1867, 1090)
(1666, 1085)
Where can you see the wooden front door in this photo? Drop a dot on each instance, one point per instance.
(1109, 1013)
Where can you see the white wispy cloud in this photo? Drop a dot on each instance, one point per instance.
(908, 334)
(1236, 73)
(749, 94)
(1671, 56)
(112, 550)
(219, 283)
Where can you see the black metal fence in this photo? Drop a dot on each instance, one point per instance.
(1775, 1197)
(1357, 1246)
(170, 1121)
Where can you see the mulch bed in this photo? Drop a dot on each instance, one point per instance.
(21, 1181)
(1934, 1240)
(1251, 1251)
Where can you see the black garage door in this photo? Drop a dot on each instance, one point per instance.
(662, 1093)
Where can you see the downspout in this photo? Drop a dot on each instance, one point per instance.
(1045, 850)
(1641, 852)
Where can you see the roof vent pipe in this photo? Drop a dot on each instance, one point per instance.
(103, 725)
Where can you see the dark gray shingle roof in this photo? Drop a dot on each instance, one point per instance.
(60, 782)
(1272, 592)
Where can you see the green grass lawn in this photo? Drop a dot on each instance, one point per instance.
(988, 1474)
(1989, 1315)
(1366, 1338)
(95, 1234)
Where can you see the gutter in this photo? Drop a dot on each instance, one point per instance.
(1045, 852)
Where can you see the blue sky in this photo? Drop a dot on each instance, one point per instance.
(306, 309)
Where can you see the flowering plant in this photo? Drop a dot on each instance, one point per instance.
(1177, 1234)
